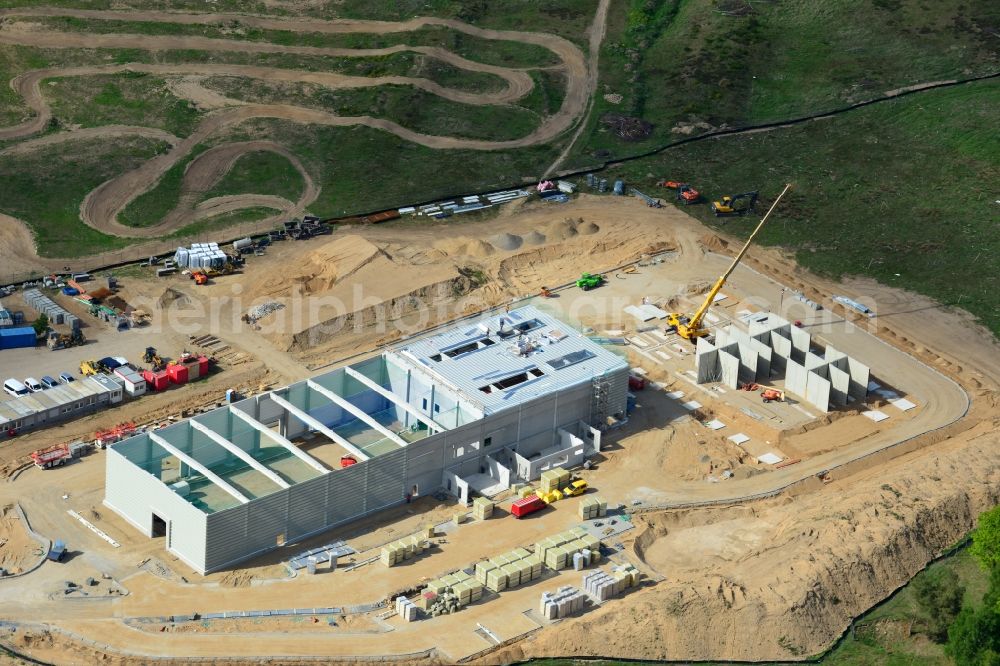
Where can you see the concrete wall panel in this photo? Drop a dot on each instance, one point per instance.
(818, 391)
(839, 384)
(860, 376)
(795, 378)
(730, 369)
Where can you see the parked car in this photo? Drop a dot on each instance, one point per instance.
(15, 388)
(49, 382)
(66, 377)
(33, 384)
(122, 361)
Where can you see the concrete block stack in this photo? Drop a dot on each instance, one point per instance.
(42, 304)
(482, 508)
(406, 609)
(404, 549)
(509, 570)
(592, 507)
(449, 593)
(602, 586)
(558, 551)
(554, 479)
(562, 603)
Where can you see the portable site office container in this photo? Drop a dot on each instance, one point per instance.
(135, 385)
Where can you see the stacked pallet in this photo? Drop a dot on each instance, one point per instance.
(404, 549)
(509, 570)
(603, 586)
(406, 609)
(592, 507)
(554, 479)
(558, 551)
(482, 508)
(459, 589)
(563, 603)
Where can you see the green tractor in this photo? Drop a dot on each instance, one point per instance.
(589, 281)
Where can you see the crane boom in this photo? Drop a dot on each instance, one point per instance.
(690, 328)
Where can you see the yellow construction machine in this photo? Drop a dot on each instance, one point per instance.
(88, 368)
(689, 327)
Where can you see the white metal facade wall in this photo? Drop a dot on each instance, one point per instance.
(136, 495)
(345, 495)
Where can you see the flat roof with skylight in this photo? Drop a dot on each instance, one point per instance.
(508, 359)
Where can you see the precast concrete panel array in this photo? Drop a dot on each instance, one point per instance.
(772, 347)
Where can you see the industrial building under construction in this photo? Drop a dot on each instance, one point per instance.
(476, 407)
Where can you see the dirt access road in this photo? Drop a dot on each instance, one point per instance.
(101, 207)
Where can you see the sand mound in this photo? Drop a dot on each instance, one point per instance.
(506, 242)
(561, 230)
(327, 265)
(534, 238)
(464, 247)
(587, 228)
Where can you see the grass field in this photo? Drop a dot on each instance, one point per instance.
(726, 62)
(127, 98)
(52, 202)
(258, 172)
(413, 109)
(902, 191)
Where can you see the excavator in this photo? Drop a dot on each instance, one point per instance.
(730, 205)
(689, 327)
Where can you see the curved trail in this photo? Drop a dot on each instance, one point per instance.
(101, 207)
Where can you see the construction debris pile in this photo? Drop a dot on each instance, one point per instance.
(258, 312)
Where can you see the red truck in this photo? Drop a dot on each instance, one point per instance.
(53, 456)
(527, 505)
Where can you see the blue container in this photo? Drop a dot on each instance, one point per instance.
(14, 338)
(70, 291)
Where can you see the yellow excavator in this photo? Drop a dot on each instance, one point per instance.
(690, 328)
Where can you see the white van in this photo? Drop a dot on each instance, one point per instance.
(15, 388)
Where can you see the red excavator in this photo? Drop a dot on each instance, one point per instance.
(685, 192)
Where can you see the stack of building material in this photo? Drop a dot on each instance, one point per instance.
(457, 590)
(200, 255)
(593, 507)
(526, 491)
(603, 586)
(404, 549)
(558, 551)
(406, 609)
(36, 300)
(482, 508)
(509, 570)
(562, 603)
(6, 318)
(554, 479)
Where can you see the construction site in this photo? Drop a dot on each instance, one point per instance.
(432, 442)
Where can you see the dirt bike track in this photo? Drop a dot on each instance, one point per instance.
(101, 207)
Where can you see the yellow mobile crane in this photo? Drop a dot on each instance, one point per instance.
(690, 328)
